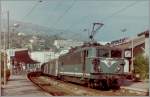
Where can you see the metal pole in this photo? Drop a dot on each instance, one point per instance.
(8, 29)
(149, 46)
(132, 67)
(6, 47)
(4, 58)
(11, 57)
(0, 52)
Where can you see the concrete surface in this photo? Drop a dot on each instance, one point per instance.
(139, 86)
(20, 85)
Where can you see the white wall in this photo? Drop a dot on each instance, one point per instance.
(42, 57)
(67, 43)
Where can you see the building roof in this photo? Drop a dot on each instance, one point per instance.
(23, 57)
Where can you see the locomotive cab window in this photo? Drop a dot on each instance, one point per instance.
(102, 53)
(116, 54)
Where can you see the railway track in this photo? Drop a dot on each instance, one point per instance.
(61, 88)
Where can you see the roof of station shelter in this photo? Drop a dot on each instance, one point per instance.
(22, 56)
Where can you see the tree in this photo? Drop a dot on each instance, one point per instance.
(141, 66)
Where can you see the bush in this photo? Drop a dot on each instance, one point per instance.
(141, 66)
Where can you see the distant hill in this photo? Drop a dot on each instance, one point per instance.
(43, 37)
(34, 29)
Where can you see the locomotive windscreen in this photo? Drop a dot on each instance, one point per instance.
(106, 52)
(116, 54)
(102, 53)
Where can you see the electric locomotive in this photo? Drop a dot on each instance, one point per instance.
(94, 65)
(91, 64)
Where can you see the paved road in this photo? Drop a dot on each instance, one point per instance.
(20, 85)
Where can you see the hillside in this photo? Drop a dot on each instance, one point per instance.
(34, 29)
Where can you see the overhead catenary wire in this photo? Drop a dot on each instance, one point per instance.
(121, 10)
(107, 17)
(58, 5)
(61, 16)
(65, 12)
(32, 9)
(70, 7)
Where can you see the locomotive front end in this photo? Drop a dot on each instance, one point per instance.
(107, 67)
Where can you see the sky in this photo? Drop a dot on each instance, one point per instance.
(77, 15)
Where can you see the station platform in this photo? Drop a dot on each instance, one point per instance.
(19, 85)
(137, 86)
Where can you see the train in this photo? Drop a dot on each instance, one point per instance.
(91, 64)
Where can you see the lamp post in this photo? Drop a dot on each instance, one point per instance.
(14, 26)
(11, 53)
(6, 46)
(0, 51)
(132, 47)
